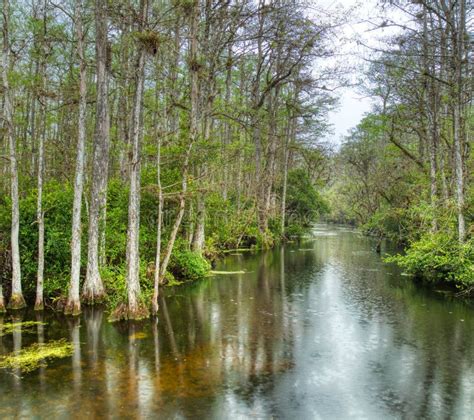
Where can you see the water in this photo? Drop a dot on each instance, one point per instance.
(322, 329)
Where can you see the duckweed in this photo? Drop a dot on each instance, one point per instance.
(35, 356)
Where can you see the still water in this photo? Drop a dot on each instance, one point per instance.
(322, 329)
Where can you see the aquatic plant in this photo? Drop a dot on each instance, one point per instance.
(26, 327)
(35, 356)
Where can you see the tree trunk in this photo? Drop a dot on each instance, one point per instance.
(193, 137)
(179, 217)
(286, 156)
(73, 305)
(136, 310)
(458, 131)
(39, 305)
(93, 289)
(16, 301)
(430, 106)
(199, 233)
(156, 285)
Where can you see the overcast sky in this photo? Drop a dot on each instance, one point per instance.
(353, 105)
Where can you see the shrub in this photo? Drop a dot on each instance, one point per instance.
(188, 265)
(439, 257)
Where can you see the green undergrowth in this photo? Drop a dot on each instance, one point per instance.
(35, 356)
(439, 258)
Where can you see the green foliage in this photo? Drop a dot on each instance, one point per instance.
(57, 204)
(188, 265)
(303, 203)
(295, 230)
(439, 257)
(114, 278)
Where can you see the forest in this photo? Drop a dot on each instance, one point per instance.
(143, 140)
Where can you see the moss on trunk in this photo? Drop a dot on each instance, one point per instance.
(17, 301)
(72, 308)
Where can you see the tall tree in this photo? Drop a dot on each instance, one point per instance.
(41, 48)
(135, 308)
(93, 288)
(16, 300)
(73, 305)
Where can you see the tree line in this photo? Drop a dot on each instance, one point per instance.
(406, 170)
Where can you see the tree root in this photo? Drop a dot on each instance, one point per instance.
(72, 308)
(17, 301)
(124, 313)
(91, 297)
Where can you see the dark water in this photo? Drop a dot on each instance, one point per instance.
(323, 329)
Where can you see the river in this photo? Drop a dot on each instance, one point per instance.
(321, 329)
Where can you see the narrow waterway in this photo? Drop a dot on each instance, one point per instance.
(322, 329)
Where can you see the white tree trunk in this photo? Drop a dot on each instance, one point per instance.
(156, 286)
(39, 207)
(459, 130)
(73, 306)
(93, 289)
(199, 232)
(16, 301)
(286, 155)
(133, 260)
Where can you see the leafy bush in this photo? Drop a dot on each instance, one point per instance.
(188, 265)
(57, 204)
(439, 257)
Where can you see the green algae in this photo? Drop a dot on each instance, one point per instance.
(26, 327)
(35, 356)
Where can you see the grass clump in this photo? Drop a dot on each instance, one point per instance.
(26, 327)
(35, 356)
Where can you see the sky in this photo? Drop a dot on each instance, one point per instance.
(352, 103)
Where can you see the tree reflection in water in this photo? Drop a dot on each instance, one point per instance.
(317, 329)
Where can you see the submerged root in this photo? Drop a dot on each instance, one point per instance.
(72, 308)
(39, 306)
(34, 356)
(123, 312)
(17, 301)
(92, 297)
(468, 292)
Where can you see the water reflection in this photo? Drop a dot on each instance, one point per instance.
(321, 329)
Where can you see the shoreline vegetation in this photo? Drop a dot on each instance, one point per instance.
(140, 143)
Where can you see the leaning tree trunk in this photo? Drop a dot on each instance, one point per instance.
(135, 309)
(179, 217)
(93, 289)
(73, 305)
(16, 301)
